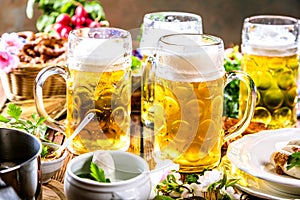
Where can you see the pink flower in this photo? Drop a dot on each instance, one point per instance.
(12, 42)
(8, 61)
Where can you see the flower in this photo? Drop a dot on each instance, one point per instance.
(12, 42)
(212, 183)
(10, 46)
(8, 61)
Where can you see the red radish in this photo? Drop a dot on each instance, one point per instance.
(77, 21)
(63, 19)
(65, 31)
(80, 12)
(57, 27)
(88, 21)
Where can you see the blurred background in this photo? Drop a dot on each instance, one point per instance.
(222, 18)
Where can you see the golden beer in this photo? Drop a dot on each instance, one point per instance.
(98, 80)
(276, 80)
(270, 47)
(188, 122)
(107, 94)
(187, 107)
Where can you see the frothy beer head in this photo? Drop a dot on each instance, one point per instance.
(190, 58)
(270, 36)
(99, 47)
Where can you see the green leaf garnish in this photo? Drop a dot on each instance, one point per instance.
(35, 126)
(293, 161)
(14, 111)
(98, 174)
(45, 151)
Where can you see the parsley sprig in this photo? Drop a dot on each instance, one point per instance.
(35, 126)
(96, 174)
(293, 161)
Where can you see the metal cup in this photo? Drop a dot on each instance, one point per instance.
(20, 176)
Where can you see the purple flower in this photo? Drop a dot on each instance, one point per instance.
(137, 53)
(8, 61)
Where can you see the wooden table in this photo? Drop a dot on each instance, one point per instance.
(54, 190)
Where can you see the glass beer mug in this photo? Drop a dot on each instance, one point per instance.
(270, 48)
(98, 79)
(189, 82)
(155, 25)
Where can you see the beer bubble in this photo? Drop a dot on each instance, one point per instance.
(172, 108)
(124, 94)
(273, 98)
(276, 63)
(258, 98)
(291, 97)
(285, 80)
(263, 80)
(262, 115)
(217, 108)
(118, 115)
(194, 109)
(181, 130)
(205, 91)
(104, 99)
(283, 116)
(183, 93)
(159, 120)
(293, 63)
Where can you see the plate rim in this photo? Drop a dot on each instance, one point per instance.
(239, 144)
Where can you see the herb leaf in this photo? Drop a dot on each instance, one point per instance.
(293, 161)
(14, 111)
(98, 173)
(45, 150)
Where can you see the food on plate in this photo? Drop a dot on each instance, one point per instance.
(287, 160)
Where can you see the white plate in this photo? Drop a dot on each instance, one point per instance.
(252, 153)
(264, 191)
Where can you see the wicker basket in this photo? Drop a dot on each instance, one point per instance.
(19, 83)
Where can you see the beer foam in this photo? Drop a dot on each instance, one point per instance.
(271, 41)
(191, 67)
(98, 52)
(269, 49)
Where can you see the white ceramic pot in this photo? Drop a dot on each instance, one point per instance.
(131, 170)
(51, 167)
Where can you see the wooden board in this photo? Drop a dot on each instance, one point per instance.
(53, 190)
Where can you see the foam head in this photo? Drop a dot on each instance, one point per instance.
(270, 35)
(190, 58)
(99, 47)
(158, 24)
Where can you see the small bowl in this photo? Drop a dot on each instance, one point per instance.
(131, 170)
(51, 167)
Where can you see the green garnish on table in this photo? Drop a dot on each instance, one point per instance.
(35, 126)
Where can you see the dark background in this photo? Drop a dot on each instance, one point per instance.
(222, 18)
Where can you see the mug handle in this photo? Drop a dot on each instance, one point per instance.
(38, 94)
(243, 123)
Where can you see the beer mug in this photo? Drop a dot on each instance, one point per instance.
(189, 82)
(98, 79)
(270, 46)
(155, 25)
